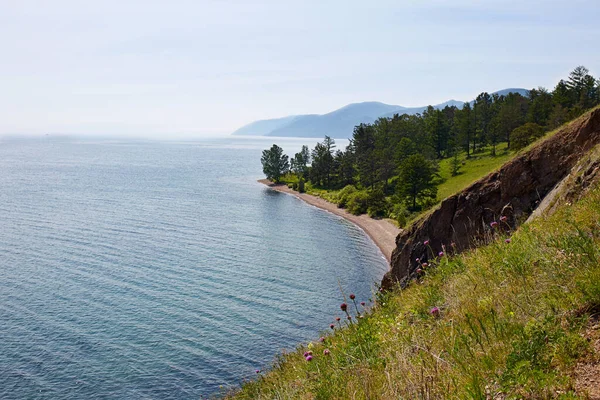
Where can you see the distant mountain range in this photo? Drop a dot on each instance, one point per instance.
(340, 123)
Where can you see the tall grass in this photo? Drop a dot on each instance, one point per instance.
(501, 321)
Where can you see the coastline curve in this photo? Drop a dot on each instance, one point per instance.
(382, 232)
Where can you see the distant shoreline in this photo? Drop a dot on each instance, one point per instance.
(382, 232)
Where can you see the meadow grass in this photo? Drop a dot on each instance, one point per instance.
(501, 321)
(471, 170)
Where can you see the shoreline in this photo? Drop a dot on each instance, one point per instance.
(382, 232)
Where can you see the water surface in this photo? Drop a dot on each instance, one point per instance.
(159, 270)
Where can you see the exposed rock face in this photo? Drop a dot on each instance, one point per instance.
(514, 191)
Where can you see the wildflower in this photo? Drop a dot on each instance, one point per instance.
(362, 303)
(426, 243)
(308, 358)
(417, 259)
(306, 354)
(349, 317)
(258, 371)
(332, 326)
(503, 218)
(337, 319)
(321, 339)
(424, 265)
(326, 352)
(453, 244)
(507, 241)
(419, 271)
(352, 296)
(344, 306)
(435, 311)
(493, 224)
(441, 254)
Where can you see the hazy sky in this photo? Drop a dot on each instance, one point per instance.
(204, 67)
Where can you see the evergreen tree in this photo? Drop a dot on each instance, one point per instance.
(275, 163)
(363, 141)
(416, 180)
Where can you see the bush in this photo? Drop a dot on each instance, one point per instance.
(344, 195)
(524, 135)
(377, 203)
(400, 214)
(301, 188)
(358, 202)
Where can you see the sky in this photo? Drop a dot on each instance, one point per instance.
(193, 68)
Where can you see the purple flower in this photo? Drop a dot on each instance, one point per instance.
(419, 271)
(435, 311)
(503, 218)
(352, 296)
(258, 371)
(326, 352)
(424, 265)
(441, 254)
(362, 303)
(426, 243)
(417, 259)
(506, 240)
(308, 358)
(493, 224)
(332, 326)
(343, 306)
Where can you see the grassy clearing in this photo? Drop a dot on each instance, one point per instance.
(502, 321)
(473, 169)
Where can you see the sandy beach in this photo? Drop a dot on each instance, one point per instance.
(382, 232)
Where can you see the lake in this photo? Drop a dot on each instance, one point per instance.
(148, 269)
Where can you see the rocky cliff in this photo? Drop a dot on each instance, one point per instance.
(514, 192)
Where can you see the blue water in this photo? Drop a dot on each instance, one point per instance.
(157, 270)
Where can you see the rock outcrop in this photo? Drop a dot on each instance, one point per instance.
(514, 191)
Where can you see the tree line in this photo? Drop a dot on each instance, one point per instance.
(396, 157)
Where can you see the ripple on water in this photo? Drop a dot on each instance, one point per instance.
(159, 270)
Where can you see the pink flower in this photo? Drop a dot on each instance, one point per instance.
(441, 254)
(321, 339)
(507, 241)
(332, 326)
(306, 354)
(362, 303)
(326, 352)
(419, 270)
(435, 311)
(337, 319)
(503, 218)
(352, 296)
(308, 358)
(349, 317)
(493, 224)
(426, 243)
(417, 259)
(343, 306)
(424, 265)
(258, 371)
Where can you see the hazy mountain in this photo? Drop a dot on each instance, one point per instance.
(339, 123)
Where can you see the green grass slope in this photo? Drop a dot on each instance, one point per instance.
(502, 321)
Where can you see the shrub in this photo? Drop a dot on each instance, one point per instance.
(358, 202)
(344, 195)
(377, 204)
(400, 214)
(524, 135)
(301, 188)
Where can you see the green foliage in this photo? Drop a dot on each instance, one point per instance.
(509, 324)
(377, 203)
(275, 163)
(417, 180)
(344, 195)
(358, 202)
(524, 135)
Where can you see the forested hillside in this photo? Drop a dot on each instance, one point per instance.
(392, 166)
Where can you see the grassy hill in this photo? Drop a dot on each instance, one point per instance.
(507, 320)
